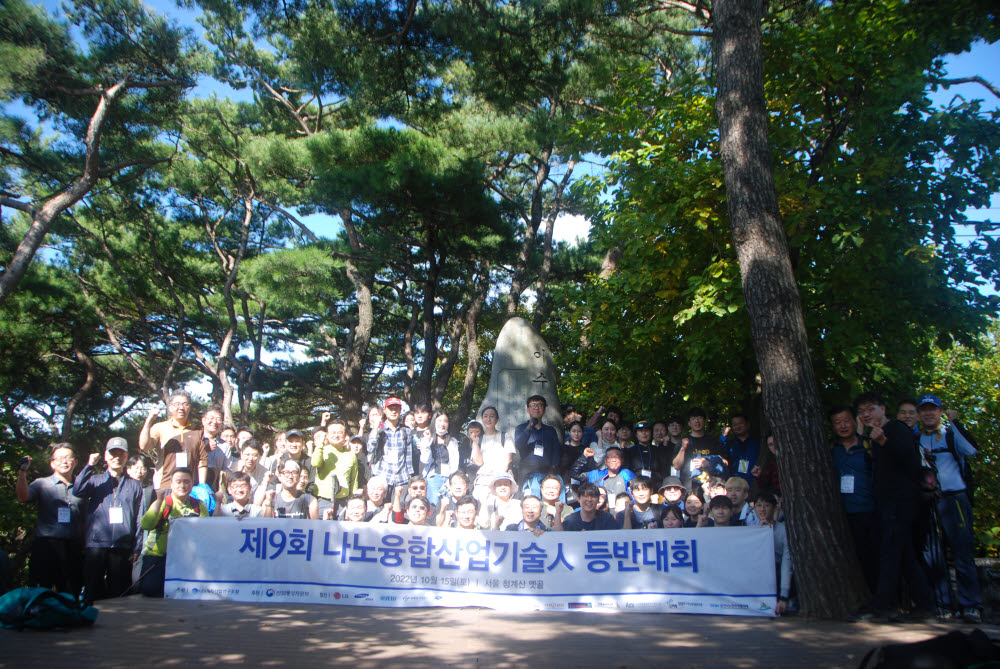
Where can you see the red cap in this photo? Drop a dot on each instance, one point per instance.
(393, 400)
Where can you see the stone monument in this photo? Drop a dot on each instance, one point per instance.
(522, 367)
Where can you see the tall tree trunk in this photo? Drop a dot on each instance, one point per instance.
(447, 366)
(429, 322)
(828, 575)
(351, 382)
(472, 347)
(520, 278)
(82, 392)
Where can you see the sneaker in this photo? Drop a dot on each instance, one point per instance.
(972, 615)
(945, 615)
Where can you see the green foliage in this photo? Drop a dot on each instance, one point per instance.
(871, 178)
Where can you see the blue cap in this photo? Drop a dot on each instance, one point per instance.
(929, 399)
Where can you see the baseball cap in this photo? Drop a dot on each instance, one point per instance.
(393, 401)
(929, 399)
(116, 444)
(293, 433)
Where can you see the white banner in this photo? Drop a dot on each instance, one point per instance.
(710, 570)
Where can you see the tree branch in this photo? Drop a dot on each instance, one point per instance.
(948, 83)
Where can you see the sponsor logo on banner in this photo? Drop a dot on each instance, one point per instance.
(580, 605)
(764, 607)
(642, 605)
(387, 598)
(361, 595)
(270, 592)
(551, 605)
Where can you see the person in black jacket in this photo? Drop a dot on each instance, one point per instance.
(895, 476)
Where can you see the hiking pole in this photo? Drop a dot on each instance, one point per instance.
(137, 581)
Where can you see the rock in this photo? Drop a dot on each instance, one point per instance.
(522, 367)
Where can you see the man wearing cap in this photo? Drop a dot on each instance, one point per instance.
(644, 459)
(537, 443)
(295, 450)
(950, 446)
(391, 447)
(174, 442)
(112, 534)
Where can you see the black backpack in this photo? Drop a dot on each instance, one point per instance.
(963, 462)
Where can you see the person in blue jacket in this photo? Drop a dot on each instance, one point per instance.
(112, 534)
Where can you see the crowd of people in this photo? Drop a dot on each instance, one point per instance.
(102, 530)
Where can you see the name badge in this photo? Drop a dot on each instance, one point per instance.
(847, 484)
(115, 515)
(646, 473)
(743, 466)
(180, 459)
(63, 514)
(539, 451)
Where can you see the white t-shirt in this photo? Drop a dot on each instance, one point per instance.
(496, 452)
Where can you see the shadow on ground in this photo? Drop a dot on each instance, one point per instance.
(137, 632)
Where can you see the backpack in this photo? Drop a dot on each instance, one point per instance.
(41, 608)
(963, 462)
(380, 440)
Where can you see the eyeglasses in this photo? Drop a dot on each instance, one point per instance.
(178, 405)
(418, 487)
(535, 405)
(288, 472)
